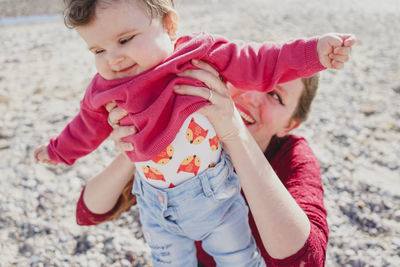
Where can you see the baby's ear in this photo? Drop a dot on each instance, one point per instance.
(170, 22)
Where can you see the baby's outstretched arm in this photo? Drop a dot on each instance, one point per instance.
(334, 49)
(41, 155)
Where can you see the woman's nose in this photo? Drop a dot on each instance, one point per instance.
(252, 97)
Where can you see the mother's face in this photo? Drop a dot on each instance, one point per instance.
(269, 114)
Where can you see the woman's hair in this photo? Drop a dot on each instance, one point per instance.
(81, 12)
(307, 96)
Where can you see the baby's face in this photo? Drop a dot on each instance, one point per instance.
(125, 40)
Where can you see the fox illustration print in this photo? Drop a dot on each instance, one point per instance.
(190, 164)
(195, 134)
(165, 156)
(213, 143)
(152, 173)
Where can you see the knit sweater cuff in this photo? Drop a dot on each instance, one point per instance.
(308, 255)
(311, 58)
(86, 217)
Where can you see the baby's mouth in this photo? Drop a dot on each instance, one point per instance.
(127, 69)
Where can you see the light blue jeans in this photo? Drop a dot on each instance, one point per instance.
(208, 207)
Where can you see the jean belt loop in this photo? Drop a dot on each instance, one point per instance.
(205, 184)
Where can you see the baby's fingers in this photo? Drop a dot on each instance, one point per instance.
(337, 64)
(339, 58)
(342, 50)
(349, 40)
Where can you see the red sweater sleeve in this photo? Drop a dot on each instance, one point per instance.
(85, 217)
(81, 136)
(264, 64)
(299, 171)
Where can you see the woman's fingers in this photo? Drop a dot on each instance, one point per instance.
(204, 66)
(203, 92)
(121, 132)
(110, 106)
(209, 79)
(115, 115)
(208, 76)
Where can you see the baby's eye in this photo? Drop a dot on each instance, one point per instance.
(125, 40)
(276, 96)
(97, 51)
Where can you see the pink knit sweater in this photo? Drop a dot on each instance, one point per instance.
(157, 112)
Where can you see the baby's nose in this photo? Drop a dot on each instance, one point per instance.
(115, 60)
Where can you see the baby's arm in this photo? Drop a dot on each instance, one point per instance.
(260, 66)
(80, 137)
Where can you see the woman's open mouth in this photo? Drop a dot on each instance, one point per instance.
(245, 117)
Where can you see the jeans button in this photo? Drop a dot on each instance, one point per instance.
(160, 198)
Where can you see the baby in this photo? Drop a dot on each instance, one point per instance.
(185, 185)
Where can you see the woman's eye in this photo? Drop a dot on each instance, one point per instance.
(276, 97)
(125, 40)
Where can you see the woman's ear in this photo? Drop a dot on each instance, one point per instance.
(170, 22)
(292, 124)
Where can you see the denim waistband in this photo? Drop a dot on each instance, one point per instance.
(204, 182)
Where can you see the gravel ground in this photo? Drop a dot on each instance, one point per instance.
(354, 130)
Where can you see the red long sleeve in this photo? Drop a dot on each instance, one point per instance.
(85, 217)
(157, 112)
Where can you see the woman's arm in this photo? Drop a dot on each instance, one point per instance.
(282, 224)
(99, 198)
(102, 191)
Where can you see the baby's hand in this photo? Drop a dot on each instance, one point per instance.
(41, 155)
(334, 49)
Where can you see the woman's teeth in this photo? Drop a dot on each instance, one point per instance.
(246, 117)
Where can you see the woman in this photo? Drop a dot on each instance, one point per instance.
(279, 174)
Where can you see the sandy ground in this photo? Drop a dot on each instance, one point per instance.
(354, 130)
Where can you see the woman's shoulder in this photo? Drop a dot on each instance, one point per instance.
(292, 156)
(289, 146)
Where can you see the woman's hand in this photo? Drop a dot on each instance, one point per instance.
(222, 112)
(115, 115)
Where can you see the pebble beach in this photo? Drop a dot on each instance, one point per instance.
(353, 128)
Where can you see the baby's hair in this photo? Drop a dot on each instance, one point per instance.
(81, 12)
(306, 97)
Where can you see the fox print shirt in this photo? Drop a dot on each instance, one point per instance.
(194, 149)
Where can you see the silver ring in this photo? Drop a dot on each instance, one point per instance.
(211, 95)
(110, 122)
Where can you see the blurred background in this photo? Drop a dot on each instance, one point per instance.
(354, 128)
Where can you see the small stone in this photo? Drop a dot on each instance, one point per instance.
(360, 204)
(349, 252)
(396, 215)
